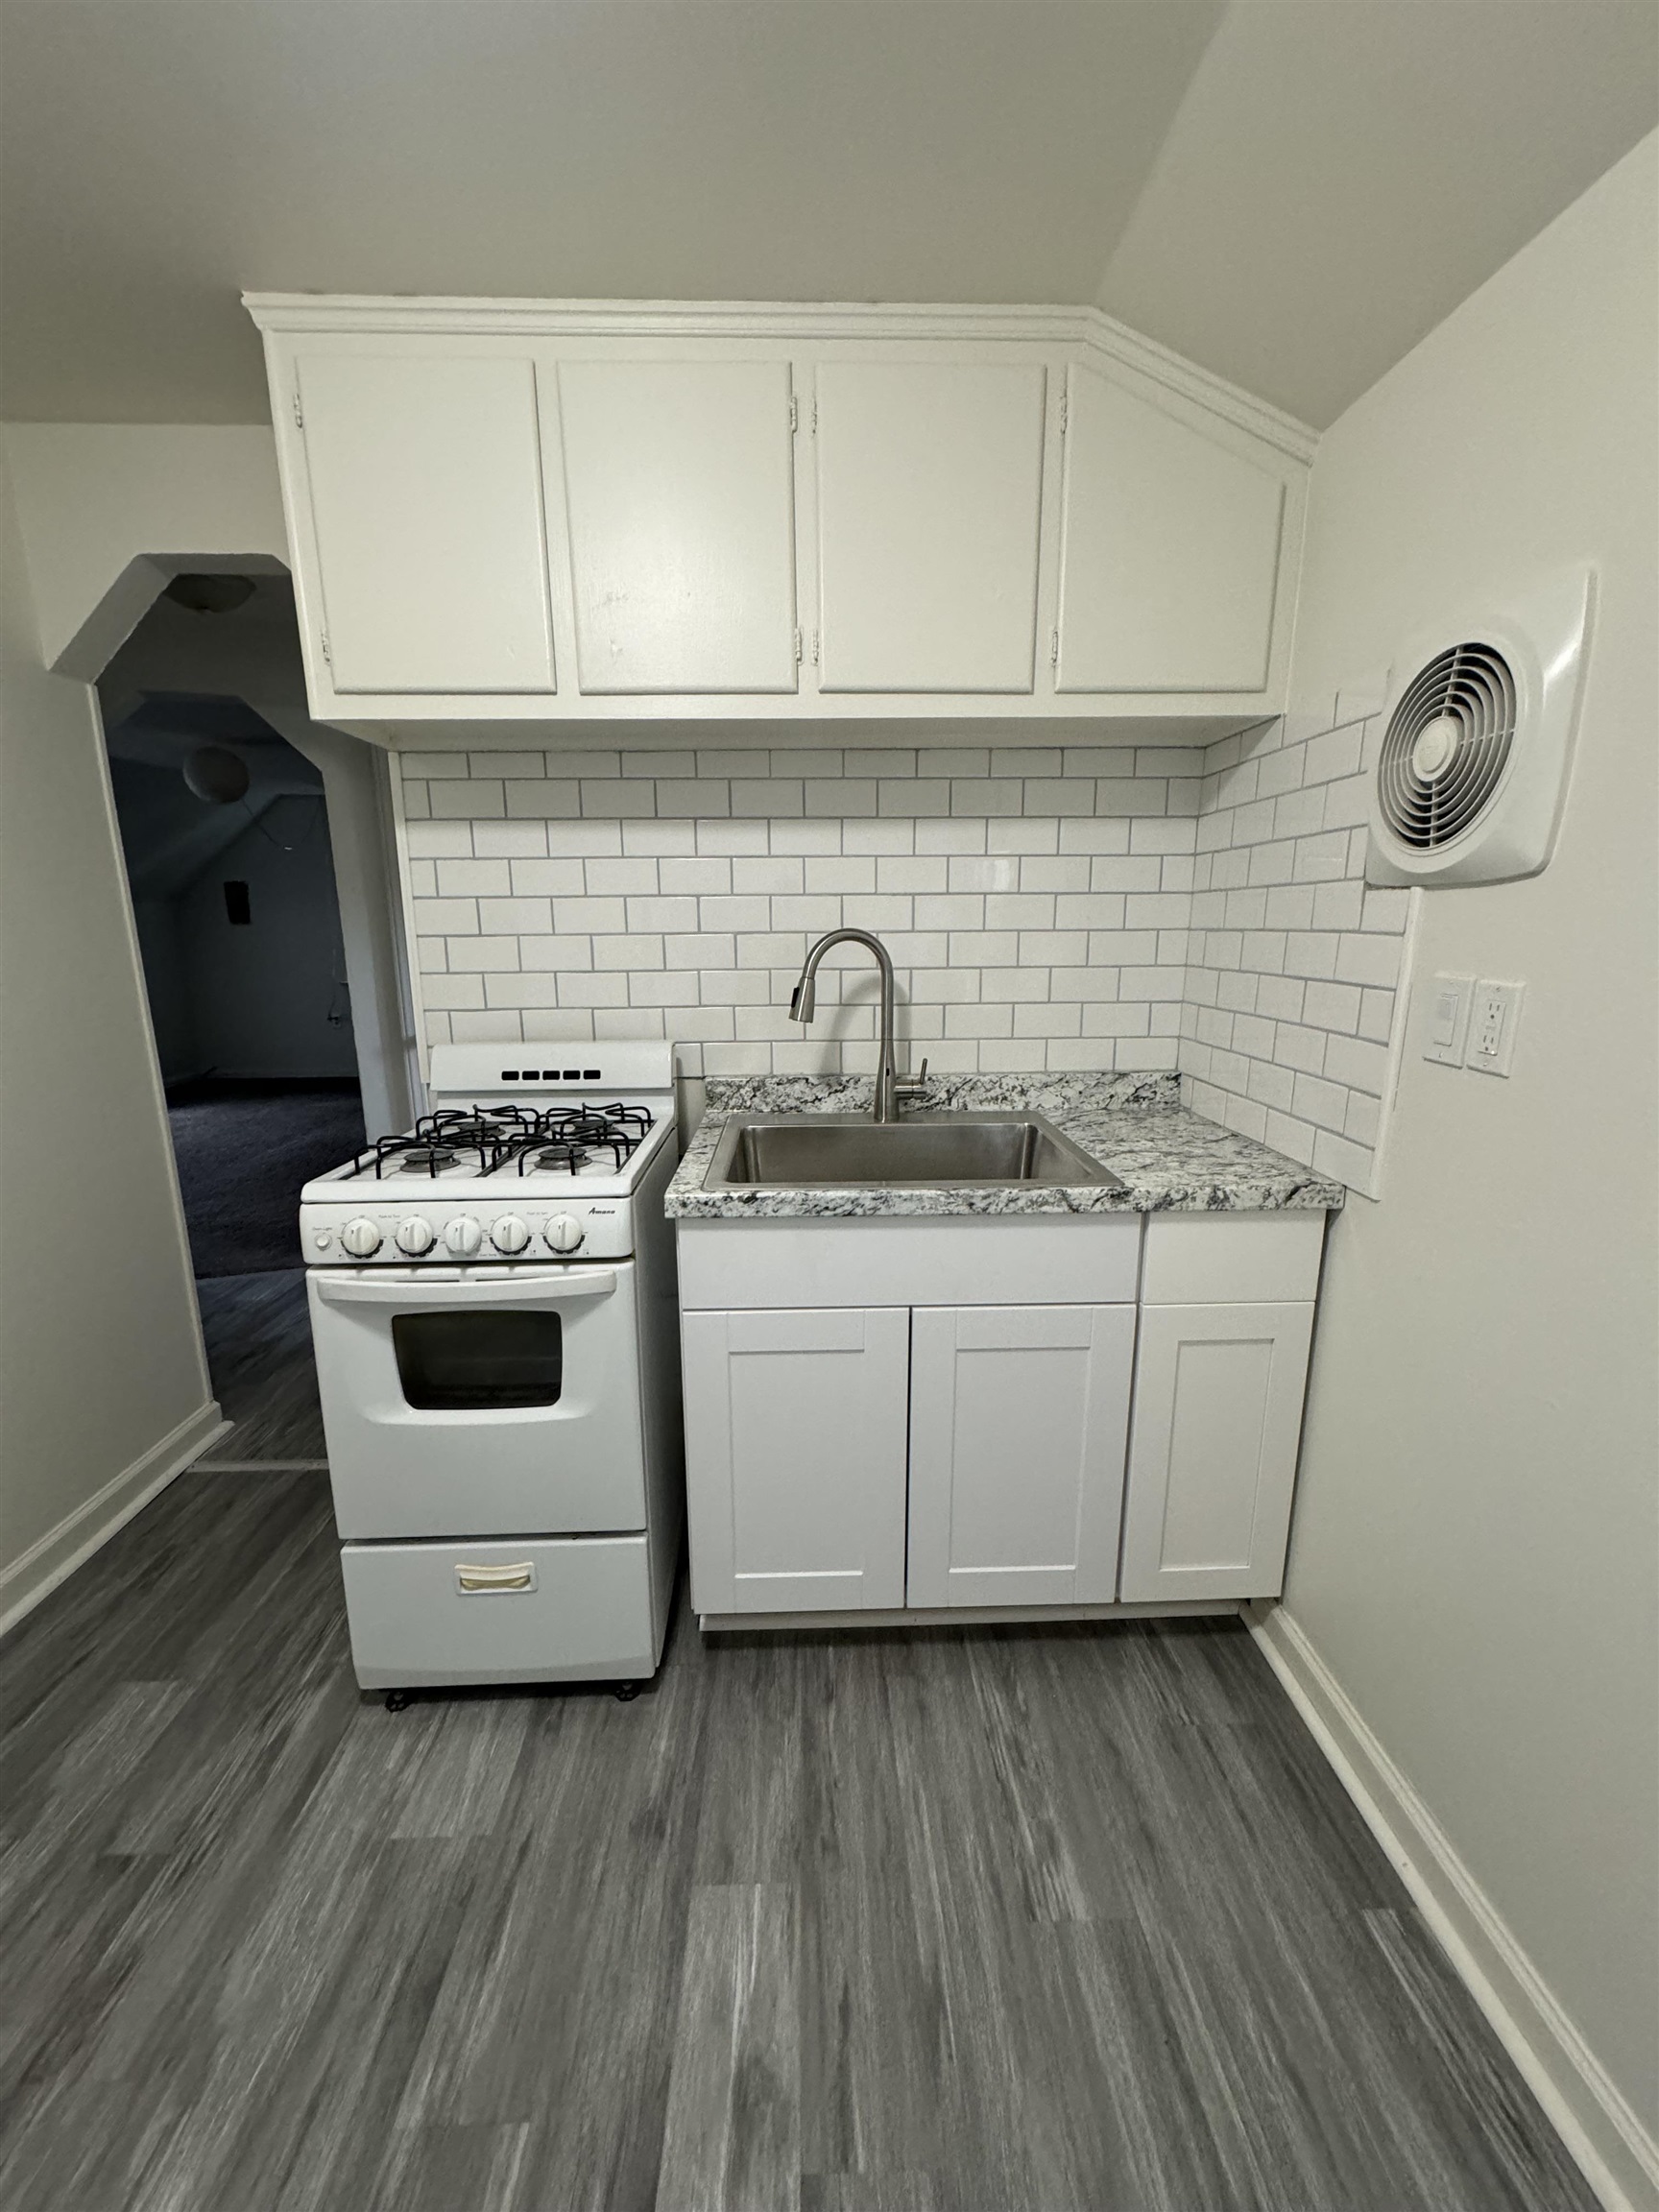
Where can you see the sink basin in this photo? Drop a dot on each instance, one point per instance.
(828, 1151)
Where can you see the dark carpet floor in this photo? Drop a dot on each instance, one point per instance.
(243, 1152)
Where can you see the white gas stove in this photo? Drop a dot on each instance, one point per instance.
(514, 1162)
(493, 1305)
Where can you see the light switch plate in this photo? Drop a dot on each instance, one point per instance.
(1446, 1019)
(1495, 1016)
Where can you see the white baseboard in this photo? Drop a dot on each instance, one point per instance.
(1617, 2157)
(62, 1550)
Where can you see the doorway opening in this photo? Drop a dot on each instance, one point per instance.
(227, 829)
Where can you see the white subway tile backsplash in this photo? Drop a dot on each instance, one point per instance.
(1385, 911)
(1333, 754)
(1358, 1063)
(615, 798)
(1377, 1014)
(801, 839)
(923, 837)
(548, 878)
(628, 949)
(1345, 1162)
(1333, 1007)
(562, 952)
(543, 797)
(516, 917)
(1074, 907)
(1369, 959)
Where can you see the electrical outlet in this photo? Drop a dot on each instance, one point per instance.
(1447, 1019)
(1495, 1016)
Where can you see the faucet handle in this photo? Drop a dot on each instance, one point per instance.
(912, 1085)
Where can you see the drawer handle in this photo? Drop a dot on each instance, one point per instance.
(497, 1581)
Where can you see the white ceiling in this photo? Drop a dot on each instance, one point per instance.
(1289, 191)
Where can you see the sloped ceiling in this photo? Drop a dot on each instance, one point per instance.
(1290, 191)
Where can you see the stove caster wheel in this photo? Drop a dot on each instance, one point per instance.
(626, 1693)
(397, 1701)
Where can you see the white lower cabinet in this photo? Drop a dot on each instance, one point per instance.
(1007, 1450)
(794, 1445)
(1213, 1456)
(1018, 1421)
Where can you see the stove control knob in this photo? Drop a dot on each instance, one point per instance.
(563, 1233)
(361, 1237)
(464, 1235)
(509, 1233)
(415, 1235)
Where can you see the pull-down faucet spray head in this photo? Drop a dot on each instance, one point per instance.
(804, 1000)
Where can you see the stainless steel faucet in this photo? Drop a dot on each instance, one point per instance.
(803, 1004)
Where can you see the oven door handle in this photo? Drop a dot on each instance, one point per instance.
(519, 1290)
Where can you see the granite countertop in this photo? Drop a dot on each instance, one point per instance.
(1169, 1160)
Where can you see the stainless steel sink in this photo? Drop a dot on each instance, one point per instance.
(845, 1150)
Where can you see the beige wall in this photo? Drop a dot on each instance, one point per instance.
(94, 499)
(101, 1356)
(1475, 1556)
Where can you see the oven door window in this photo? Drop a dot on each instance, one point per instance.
(453, 1362)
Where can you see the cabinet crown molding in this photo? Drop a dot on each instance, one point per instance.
(364, 314)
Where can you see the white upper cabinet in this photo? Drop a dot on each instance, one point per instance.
(929, 482)
(1169, 550)
(776, 515)
(427, 550)
(679, 480)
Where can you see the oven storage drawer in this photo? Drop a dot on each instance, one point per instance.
(544, 1609)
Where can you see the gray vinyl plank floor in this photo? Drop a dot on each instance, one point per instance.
(943, 1923)
(257, 1331)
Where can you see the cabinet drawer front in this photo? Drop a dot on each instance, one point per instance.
(1018, 1424)
(534, 1609)
(425, 479)
(1232, 1259)
(795, 1448)
(971, 1260)
(1219, 1394)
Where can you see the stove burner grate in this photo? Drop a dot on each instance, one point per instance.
(552, 1141)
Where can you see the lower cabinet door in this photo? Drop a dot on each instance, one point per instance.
(795, 1440)
(1213, 1459)
(1018, 1423)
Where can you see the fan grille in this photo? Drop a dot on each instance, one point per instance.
(1447, 746)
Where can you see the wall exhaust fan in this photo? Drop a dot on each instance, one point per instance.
(1477, 734)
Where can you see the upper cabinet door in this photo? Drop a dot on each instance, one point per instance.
(930, 497)
(426, 503)
(1017, 1425)
(680, 490)
(1169, 551)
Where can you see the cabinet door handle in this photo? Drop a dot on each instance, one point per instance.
(486, 1581)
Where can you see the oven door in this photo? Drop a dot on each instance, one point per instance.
(471, 1404)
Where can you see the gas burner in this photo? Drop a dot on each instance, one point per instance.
(464, 1129)
(567, 1140)
(429, 1152)
(567, 1155)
